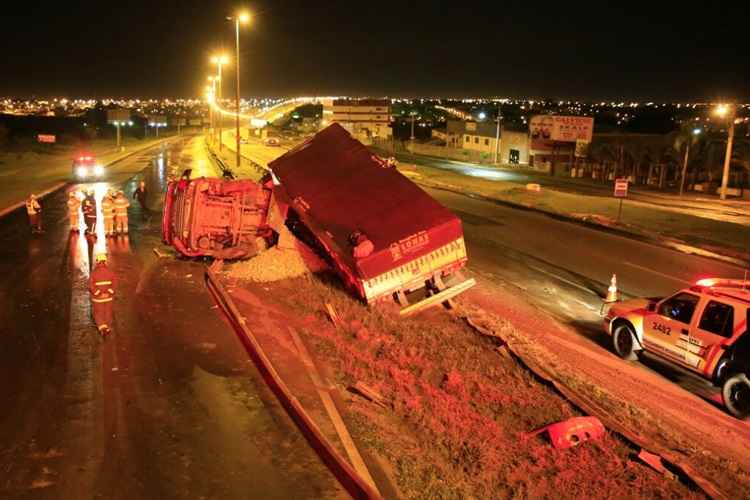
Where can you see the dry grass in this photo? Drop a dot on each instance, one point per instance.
(460, 410)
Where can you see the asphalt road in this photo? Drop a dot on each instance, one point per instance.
(168, 406)
(729, 211)
(565, 268)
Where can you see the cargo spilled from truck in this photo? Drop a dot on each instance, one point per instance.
(383, 235)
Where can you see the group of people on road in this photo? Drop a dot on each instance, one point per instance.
(114, 212)
(114, 209)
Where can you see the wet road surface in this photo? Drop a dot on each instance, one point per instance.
(565, 268)
(730, 211)
(168, 406)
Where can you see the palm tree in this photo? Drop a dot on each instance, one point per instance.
(604, 152)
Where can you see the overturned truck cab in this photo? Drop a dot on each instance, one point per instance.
(216, 218)
(383, 234)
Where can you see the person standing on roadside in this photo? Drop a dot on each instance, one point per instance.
(108, 214)
(102, 288)
(121, 213)
(74, 205)
(34, 211)
(89, 212)
(140, 195)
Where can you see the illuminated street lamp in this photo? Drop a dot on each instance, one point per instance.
(157, 126)
(219, 61)
(728, 111)
(118, 124)
(240, 18)
(695, 133)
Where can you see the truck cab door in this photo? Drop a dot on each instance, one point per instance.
(714, 330)
(666, 330)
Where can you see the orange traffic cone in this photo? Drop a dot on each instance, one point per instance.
(612, 294)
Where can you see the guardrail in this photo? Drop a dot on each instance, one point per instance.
(349, 479)
(226, 170)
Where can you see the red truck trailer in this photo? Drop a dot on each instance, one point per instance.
(217, 218)
(384, 235)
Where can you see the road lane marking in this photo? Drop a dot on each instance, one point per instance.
(564, 280)
(584, 304)
(667, 276)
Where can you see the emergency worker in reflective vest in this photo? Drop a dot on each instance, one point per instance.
(108, 214)
(88, 205)
(74, 205)
(102, 288)
(121, 213)
(33, 210)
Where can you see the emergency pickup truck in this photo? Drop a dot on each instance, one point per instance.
(383, 235)
(703, 328)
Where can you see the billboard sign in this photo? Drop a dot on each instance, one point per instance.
(572, 128)
(47, 138)
(540, 132)
(546, 130)
(118, 115)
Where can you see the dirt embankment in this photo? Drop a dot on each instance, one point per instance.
(458, 410)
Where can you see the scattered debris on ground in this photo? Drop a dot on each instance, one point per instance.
(277, 264)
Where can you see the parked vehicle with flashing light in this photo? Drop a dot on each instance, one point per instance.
(703, 328)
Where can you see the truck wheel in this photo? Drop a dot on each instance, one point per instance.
(736, 395)
(624, 342)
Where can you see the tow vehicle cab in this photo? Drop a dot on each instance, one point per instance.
(702, 328)
(86, 168)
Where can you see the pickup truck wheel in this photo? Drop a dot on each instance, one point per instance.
(624, 342)
(736, 395)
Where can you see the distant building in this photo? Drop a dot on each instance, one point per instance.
(454, 133)
(482, 137)
(363, 118)
(514, 147)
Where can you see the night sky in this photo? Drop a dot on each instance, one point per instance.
(460, 48)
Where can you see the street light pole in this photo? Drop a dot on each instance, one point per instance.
(729, 111)
(237, 90)
(727, 161)
(211, 93)
(218, 103)
(497, 135)
(685, 162)
(243, 18)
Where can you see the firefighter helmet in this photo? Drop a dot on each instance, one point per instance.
(101, 257)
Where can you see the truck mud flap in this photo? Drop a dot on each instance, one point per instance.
(438, 298)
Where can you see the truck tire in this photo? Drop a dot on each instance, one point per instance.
(623, 340)
(736, 395)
